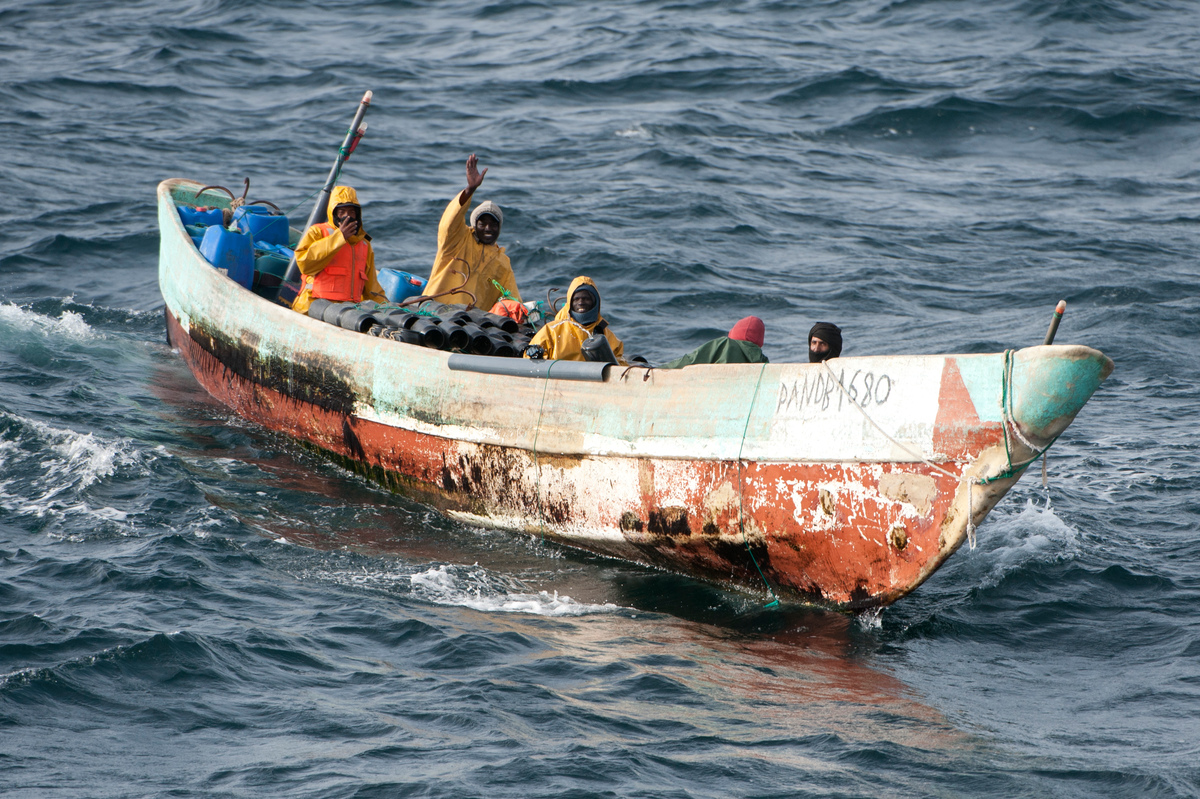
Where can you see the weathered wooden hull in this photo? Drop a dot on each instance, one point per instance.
(743, 474)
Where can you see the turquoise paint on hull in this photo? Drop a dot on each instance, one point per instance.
(982, 375)
(1050, 384)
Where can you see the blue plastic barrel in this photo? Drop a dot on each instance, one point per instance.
(194, 216)
(262, 224)
(231, 251)
(399, 286)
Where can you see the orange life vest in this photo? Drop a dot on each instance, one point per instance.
(512, 309)
(345, 276)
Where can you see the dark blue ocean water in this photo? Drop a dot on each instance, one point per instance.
(192, 606)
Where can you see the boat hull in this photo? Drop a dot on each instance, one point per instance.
(844, 485)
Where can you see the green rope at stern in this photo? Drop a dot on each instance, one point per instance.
(1006, 401)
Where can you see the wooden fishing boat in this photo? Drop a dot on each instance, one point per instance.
(845, 484)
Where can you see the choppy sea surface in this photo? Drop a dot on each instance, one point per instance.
(193, 606)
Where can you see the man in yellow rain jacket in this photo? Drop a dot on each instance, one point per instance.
(336, 259)
(563, 338)
(471, 250)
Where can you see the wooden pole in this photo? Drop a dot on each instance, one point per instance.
(1058, 315)
(291, 280)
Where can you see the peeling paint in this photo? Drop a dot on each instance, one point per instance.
(917, 490)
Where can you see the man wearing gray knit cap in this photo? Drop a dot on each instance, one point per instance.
(471, 251)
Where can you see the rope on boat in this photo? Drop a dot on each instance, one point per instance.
(336, 178)
(1008, 421)
(774, 603)
(537, 466)
(296, 207)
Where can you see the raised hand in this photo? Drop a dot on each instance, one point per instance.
(474, 176)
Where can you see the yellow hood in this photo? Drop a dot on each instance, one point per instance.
(344, 195)
(564, 313)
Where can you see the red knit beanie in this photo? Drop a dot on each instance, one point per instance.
(749, 329)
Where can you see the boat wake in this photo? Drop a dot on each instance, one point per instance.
(461, 586)
(1034, 534)
(474, 587)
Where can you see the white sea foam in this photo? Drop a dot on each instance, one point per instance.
(635, 132)
(471, 587)
(446, 585)
(47, 479)
(69, 324)
(871, 619)
(1035, 534)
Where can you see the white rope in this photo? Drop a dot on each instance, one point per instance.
(971, 541)
(971, 481)
(1017, 430)
(1010, 419)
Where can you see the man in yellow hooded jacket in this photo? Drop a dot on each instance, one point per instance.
(471, 250)
(336, 259)
(563, 338)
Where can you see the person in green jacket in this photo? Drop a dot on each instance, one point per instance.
(742, 345)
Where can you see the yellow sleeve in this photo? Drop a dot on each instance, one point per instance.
(316, 248)
(452, 229)
(452, 240)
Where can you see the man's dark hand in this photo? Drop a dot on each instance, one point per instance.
(474, 176)
(348, 225)
(535, 352)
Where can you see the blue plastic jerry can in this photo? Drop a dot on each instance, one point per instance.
(399, 286)
(231, 251)
(194, 216)
(262, 224)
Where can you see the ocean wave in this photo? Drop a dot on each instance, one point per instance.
(1011, 542)
(70, 324)
(60, 249)
(655, 84)
(854, 81)
(477, 588)
(472, 587)
(1091, 11)
(86, 679)
(46, 470)
(956, 116)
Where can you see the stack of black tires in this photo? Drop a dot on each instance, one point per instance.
(432, 324)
